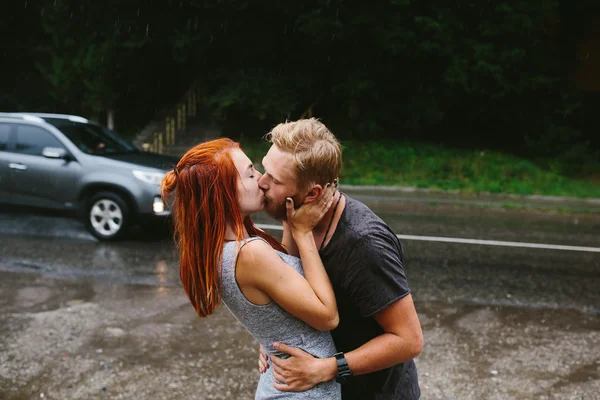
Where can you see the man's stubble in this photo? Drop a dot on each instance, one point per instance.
(278, 210)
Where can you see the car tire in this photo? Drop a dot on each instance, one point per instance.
(107, 216)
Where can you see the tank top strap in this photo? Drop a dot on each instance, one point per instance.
(243, 242)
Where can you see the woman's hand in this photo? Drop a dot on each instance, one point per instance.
(308, 215)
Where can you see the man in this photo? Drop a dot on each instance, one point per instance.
(379, 332)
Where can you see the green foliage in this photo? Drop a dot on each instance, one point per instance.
(78, 68)
(434, 71)
(241, 88)
(434, 167)
(426, 166)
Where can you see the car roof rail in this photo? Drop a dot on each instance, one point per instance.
(22, 116)
(73, 118)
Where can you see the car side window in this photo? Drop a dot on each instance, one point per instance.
(32, 140)
(5, 130)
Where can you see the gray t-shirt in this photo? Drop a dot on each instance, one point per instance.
(365, 264)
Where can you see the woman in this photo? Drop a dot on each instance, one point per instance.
(224, 256)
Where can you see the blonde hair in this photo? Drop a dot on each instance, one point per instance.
(316, 152)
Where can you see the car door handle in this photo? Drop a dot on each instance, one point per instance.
(20, 167)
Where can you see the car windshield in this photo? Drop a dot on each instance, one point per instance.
(91, 138)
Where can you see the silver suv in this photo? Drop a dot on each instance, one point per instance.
(66, 162)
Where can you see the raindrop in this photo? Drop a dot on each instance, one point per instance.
(25, 4)
(147, 28)
(138, 13)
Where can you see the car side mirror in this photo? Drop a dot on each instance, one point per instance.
(55, 152)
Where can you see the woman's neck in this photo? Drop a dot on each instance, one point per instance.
(230, 234)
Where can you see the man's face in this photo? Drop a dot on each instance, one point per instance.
(279, 182)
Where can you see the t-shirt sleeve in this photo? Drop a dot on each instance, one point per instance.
(375, 275)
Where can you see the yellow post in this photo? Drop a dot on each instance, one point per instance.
(178, 117)
(192, 113)
(184, 119)
(173, 128)
(160, 142)
(168, 132)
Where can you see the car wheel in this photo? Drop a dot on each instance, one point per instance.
(107, 216)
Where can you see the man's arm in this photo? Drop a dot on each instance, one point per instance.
(374, 278)
(402, 341)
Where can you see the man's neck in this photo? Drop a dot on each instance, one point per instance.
(323, 224)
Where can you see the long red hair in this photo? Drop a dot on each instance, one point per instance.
(202, 191)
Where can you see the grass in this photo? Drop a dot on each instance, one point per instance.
(425, 166)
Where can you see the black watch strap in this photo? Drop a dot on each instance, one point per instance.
(344, 372)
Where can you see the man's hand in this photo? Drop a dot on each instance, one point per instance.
(301, 371)
(263, 360)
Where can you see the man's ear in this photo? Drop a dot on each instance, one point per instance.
(313, 194)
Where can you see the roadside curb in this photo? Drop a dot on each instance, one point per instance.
(491, 196)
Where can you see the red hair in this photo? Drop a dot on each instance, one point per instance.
(202, 190)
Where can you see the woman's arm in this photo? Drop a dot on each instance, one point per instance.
(288, 241)
(309, 298)
(260, 267)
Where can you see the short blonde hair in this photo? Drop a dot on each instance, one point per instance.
(317, 153)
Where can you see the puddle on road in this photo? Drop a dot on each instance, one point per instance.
(581, 374)
(133, 343)
(450, 315)
(32, 294)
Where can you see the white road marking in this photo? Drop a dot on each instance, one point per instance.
(475, 241)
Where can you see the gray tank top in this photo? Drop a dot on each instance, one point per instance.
(270, 323)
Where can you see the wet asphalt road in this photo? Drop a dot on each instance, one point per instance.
(499, 322)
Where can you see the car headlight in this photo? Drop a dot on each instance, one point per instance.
(154, 178)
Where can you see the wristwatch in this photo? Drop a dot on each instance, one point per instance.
(344, 373)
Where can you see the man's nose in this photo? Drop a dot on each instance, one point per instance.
(262, 183)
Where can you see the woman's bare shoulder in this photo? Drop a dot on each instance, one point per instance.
(256, 253)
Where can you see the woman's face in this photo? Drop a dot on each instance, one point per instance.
(250, 196)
